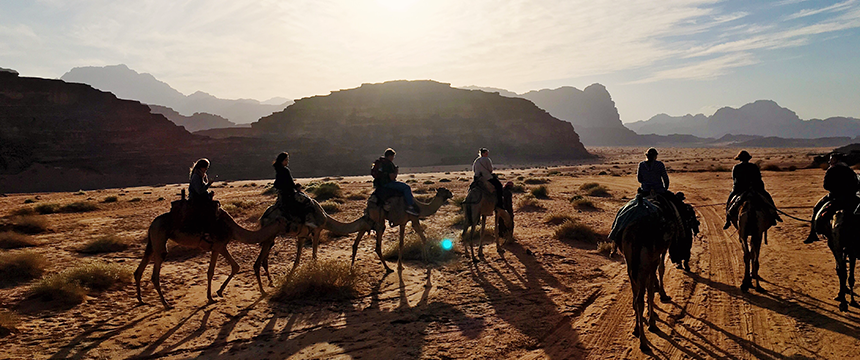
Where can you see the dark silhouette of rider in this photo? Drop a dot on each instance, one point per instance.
(747, 176)
(842, 184)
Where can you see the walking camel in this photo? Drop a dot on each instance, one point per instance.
(396, 215)
(841, 233)
(752, 222)
(644, 242)
(168, 226)
(479, 204)
(302, 233)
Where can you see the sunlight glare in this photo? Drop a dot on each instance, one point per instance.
(396, 5)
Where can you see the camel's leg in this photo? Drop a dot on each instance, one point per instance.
(400, 249)
(265, 249)
(315, 238)
(481, 237)
(379, 250)
(138, 274)
(210, 274)
(472, 240)
(300, 242)
(355, 246)
(840, 271)
(416, 225)
(496, 233)
(160, 252)
(463, 236)
(756, 252)
(652, 315)
(234, 268)
(661, 269)
(851, 261)
(747, 281)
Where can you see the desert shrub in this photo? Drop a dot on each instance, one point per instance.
(160, 198)
(327, 190)
(540, 192)
(771, 167)
(529, 203)
(458, 201)
(458, 221)
(104, 244)
(29, 201)
(78, 206)
(557, 219)
(319, 279)
(110, 199)
(71, 285)
(429, 182)
(554, 173)
(137, 199)
(463, 179)
(11, 240)
(518, 189)
(8, 323)
(22, 211)
(16, 267)
(792, 168)
(583, 204)
(520, 178)
(605, 247)
(356, 196)
(270, 191)
(29, 224)
(602, 173)
(594, 189)
(536, 181)
(720, 168)
(330, 207)
(412, 246)
(81, 192)
(444, 180)
(46, 208)
(575, 230)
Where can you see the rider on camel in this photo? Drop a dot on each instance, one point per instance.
(652, 174)
(291, 199)
(385, 176)
(842, 184)
(483, 168)
(747, 176)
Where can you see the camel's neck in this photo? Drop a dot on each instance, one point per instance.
(331, 224)
(246, 236)
(432, 207)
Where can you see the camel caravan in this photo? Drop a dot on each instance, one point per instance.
(654, 224)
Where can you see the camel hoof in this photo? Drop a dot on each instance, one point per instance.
(212, 301)
(644, 347)
(388, 271)
(760, 289)
(167, 306)
(687, 267)
(854, 304)
(220, 293)
(745, 287)
(501, 251)
(665, 298)
(679, 266)
(476, 260)
(636, 332)
(843, 306)
(653, 328)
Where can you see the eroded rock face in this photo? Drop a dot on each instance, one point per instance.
(427, 122)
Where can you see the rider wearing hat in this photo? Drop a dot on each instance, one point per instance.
(842, 184)
(747, 176)
(652, 174)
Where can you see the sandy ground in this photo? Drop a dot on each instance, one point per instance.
(545, 299)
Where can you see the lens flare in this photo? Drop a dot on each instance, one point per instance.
(447, 244)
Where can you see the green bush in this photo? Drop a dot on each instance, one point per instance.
(540, 192)
(16, 267)
(332, 279)
(11, 240)
(325, 191)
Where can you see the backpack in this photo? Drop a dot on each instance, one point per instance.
(376, 169)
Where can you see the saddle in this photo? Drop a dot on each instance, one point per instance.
(196, 216)
(734, 204)
(383, 196)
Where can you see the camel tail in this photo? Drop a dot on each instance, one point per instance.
(148, 251)
(467, 214)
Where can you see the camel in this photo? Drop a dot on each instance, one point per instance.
(165, 226)
(302, 233)
(752, 222)
(841, 232)
(644, 243)
(397, 216)
(477, 206)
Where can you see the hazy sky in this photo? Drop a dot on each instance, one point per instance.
(674, 56)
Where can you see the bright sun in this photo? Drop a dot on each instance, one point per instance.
(396, 5)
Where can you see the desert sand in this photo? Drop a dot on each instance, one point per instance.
(544, 299)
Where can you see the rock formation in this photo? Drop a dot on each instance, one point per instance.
(196, 122)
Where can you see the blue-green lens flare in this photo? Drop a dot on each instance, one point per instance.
(447, 244)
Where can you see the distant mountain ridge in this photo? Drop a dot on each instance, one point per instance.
(126, 83)
(762, 118)
(196, 122)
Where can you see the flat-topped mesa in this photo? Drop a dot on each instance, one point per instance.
(427, 122)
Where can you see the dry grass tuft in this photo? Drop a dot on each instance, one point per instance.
(771, 167)
(605, 247)
(594, 189)
(540, 192)
(110, 199)
(23, 211)
(270, 191)
(529, 204)
(29, 225)
(518, 189)
(330, 207)
(458, 201)
(582, 203)
(71, 285)
(78, 207)
(458, 221)
(557, 219)
(331, 279)
(20, 266)
(574, 230)
(412, 246)
(8, 323)
(536, 181)
(356, 196)
(104, 244)
(11, 240)
(325, 191)
(44, 209)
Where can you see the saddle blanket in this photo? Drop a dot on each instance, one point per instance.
(635, 209)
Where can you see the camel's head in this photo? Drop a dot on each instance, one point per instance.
(444, 193)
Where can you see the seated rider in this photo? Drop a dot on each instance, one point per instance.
(652, 174)
(203, 209)
(385, 176)
(842, 184)
(747, 176)
(483, 168)
(291, 200)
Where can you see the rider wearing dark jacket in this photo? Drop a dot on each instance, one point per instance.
(289, 194)
(747, 176)
(842, 184)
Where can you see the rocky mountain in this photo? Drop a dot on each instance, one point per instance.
(126, 83)
(427, 122)
(763, 118)
(591, 111)
(196, 122)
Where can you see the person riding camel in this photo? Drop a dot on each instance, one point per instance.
(384, 174)
(652, 174)
(203, 211)
(842, 184)
(291, 199)
(483, 168)
(747, 176)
